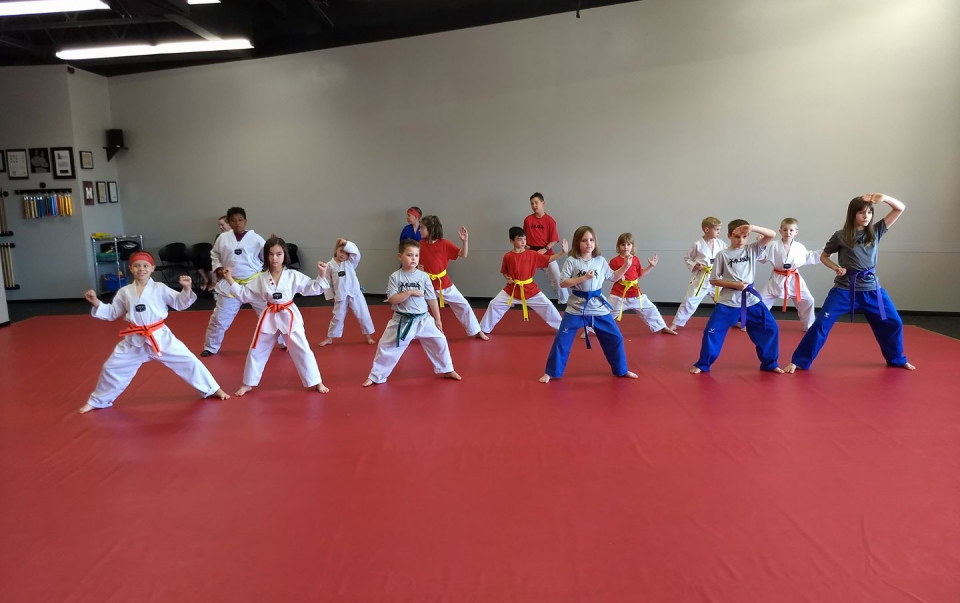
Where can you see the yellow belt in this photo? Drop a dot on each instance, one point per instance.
(703, 277)
(437, 277)
(244, 281)
(626, 287)
(523, 295)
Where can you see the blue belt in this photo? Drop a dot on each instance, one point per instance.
(853, 275)
(743, 305)
(586, 296)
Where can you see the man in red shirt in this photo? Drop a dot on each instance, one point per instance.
(542, 235)
(518, 267)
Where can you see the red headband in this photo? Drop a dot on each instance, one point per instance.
(415, 211)
(141, 255)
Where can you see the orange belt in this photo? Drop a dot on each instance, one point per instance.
(147, 331)
(786, 281)
(276, 309)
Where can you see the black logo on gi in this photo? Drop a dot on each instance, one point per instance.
(787, 266)
(277, 295)
(140, 307)
(712, 260)
(407, 286)
(237, 252)
(581, 273)
(342, 273)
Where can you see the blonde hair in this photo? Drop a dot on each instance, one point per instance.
(710, 222)
(578, 236)
(787, 221)
(624, 239)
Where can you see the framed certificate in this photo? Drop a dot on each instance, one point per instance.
(114, 192)
(17, 164)
(101, 192)
(63, 162)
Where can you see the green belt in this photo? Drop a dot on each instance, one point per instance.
(404, 329)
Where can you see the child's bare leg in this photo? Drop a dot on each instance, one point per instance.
(367, 383)
(323, 389)
(326, 341)
(220, 394)
(86, 408)
(545, 378)
(695, 371)
(452, 375)
(244, 390)
(629, 375)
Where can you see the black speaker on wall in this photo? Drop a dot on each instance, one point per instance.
(114, 143)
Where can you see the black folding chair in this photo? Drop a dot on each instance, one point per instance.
(173, 258)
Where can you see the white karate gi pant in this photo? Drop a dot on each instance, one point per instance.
(299, 349)
(123, 364)
(642, 306)
(553, 274)
(223, 315)
(501, 303)
(691, 299)
(771, 293)
(431, 338)
(461, 309)
(357, 305)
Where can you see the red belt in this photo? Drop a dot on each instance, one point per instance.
(786, 281)
(276, 309)
(147, 332)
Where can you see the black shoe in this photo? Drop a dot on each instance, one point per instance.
(206, 353)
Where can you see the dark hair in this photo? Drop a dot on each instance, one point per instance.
(850, 225)
(270, 244)
(575, 244)
(537, 196)
(419, 211)
(516, 231)
(433, 225)
(236, 210)
(735, 224)
(408, 243)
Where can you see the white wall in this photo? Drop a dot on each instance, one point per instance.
(643, 117)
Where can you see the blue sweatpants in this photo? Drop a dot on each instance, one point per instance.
(889, 332)
(761, 327)
(611, 341)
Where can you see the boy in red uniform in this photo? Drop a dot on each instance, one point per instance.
(541, 231)
(518, 267)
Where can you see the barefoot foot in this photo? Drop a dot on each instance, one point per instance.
(908, 366)
(452, 375)
(790, 369)
(221, 394)
(667, 331)
(370, 340)
(483, 336)
(695, 371)
(323, 389)
(367, 383)
(778, 370)
(243, 390)
(86, 408)
(545, 378)
(629, 375)
(326, 341)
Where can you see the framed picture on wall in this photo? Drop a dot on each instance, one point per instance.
(3, 162)
(63, 162)
(39, 161)
(101, 192)
(17, 164)
(88, 193)
(114, 192)
(86, 160)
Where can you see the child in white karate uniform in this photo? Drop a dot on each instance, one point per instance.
(699, 260)
(787, 256)
(346, 292)
(410, 294)
(275, 288)
(144, 304)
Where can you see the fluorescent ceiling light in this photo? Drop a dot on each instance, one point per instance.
(37, 7)
(140, 50)
(203, 1)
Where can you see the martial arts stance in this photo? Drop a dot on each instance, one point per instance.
(626, 293)
(787, 256)
(346, 292)
(144, 305)
(275, 288)
(410, 294)
(699, 260)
